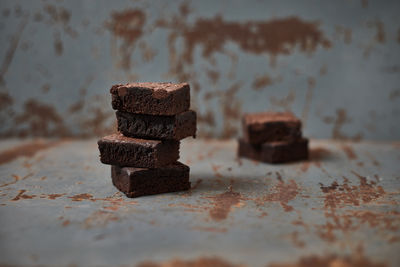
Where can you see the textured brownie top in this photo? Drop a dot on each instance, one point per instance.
(263, 117)
(123, 139)
(174, 166)
(159, 89)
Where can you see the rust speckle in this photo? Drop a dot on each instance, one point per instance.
(351, 155)
(211, 229)
(22, 195)
(200, 262)
(81, 197)
(222, 204)
(294, 236)
(25, 150)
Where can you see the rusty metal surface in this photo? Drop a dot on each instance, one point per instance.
(335, 65)
(58, 207)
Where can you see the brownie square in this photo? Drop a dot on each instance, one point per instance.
(151, 98)
(117, 149)
(175, 127)
(275, 152)
(270, 127)
(135, 182)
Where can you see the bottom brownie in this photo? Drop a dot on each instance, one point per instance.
(136, 182)
(275, 152)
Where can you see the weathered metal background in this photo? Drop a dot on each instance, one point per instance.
(58, 208)
(334, 63)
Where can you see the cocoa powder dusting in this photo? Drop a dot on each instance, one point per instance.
(25, 150)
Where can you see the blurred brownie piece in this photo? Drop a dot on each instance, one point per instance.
(151, 98)
(275, 152)
(264, 127)
(117, 149)
(175, 127)
(135, 182)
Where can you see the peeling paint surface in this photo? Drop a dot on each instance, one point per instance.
(329, 210)
(337, 71)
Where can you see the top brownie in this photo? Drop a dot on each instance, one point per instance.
(151, 98)
(270, 127)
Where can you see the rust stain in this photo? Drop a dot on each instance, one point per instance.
(223, 203)
(5, 100)
(274, 37)
(340, 195)
(12, 48)
(22, 195)
(351, 155)
(54, 196)
(308, 100)
(127, 25)
(99, 219)
(285, 102)
(317, 155)
(58, 45)
(26, 150)
(332, 261)
(66, 223)
(294, 236)
(211, 229)
(283, 192)
(213, 76)
(42, 120)
(380, 35)
(338, 122)
(345, 32)
(262, 81)
(81, 197)
(199, 262)
(231, 110)
(60, 16)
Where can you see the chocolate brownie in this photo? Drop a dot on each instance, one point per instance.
(135, 182)
(117, 149)
(175, 127)
(270, 127)
(275, 152)
(151, 98)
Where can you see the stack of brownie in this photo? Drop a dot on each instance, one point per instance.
(272, 137)
(152, 119)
